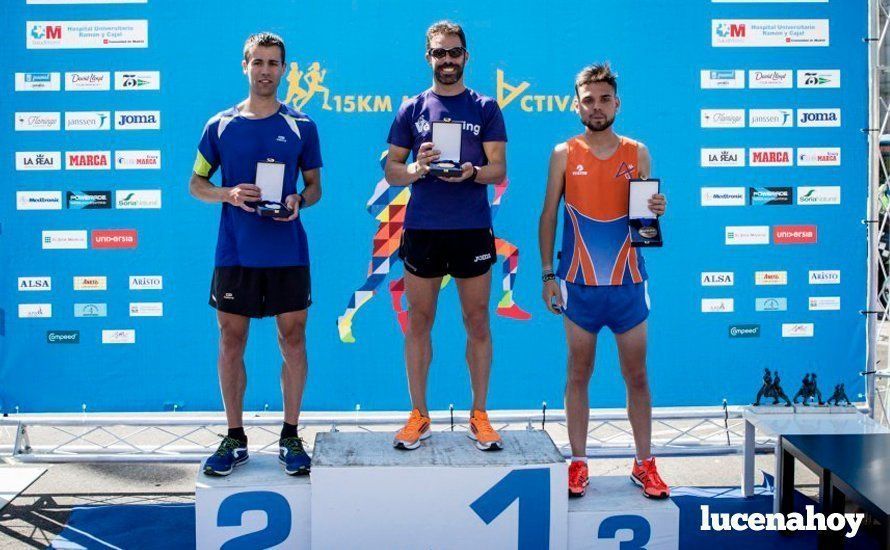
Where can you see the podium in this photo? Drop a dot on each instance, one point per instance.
(445, 495)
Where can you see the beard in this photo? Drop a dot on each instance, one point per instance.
(449, 78)
(599, 126)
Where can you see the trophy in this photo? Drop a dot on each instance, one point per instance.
(270, 180)
(446, 139)
(642, 222)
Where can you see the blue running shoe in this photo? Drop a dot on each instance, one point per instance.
(230, 453)
(293, 457)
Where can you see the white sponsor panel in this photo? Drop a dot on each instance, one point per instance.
(137, 160)
(825, 303)
(137, 80)
(728, 158)
(769, 1)
(759, 33)
(771, 156)
(723, 196)
(38, 121)
(87, 120)
(717, 305)
(146, 309)
(38, 200)
(64, 240)
(722, 118)
(87, 81)
(35, 284)
(90, 282)
(137, 120)
(63, 35)
(797, 330)
(35, 311)
(38, 160)
(137, 198)
(146, 282)
(746, 234)
(771, 118)
(770, 79)
(728, 79)
(818, 78)
(38, 82)
(64, 2)
(118, 336)
(717, 278)
(818, 156)
(818, 194)
(770, 278)
(825, 277)
(818, 118)
(87, 160)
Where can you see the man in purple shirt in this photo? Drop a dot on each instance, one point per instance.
(447, 224)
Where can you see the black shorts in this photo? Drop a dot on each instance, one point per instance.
(260, 291)
(461, 253)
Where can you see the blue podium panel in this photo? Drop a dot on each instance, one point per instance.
(446, 494)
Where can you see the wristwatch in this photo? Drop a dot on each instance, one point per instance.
(550, 276)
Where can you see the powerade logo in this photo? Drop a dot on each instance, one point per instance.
(88, 199)
(770, 196)
(744, 331)
(63, 337)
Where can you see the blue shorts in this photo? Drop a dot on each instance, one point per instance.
(620, 307)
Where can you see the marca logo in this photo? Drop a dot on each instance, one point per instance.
(771, 304)
(771, 118)
(818, 156)
(115, 238)
(740, 33)
(764, 278)
(38, 82)
(137, 80)
(744, 331)
(771, 157)
(90, 283)
(87, 34)
(815, 78)
(819, 195)
(146, 282)
(137, 198)
(717, 278)
(797, 330)
(770, 196)
(818, 118)
(825, 277)
(63, 337)
(722, 118)
(35, 284)
(770, 79)
(63, 240)
(723, 196)
(795, 234)
(725, 79)
(127, 336)
(146, 309)
(87, 120)
(87, 81)
(88, 160)
(38, 160)
(37, 122)
(35, 311)
(90, 310)
(88, 199)
(717, 305)
(137, 120)
(746, 234)
(825, 303)
(729, 158)
(38, 200)
(137, 160)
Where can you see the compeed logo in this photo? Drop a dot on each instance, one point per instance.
(63, 337)
(795, 234)
(114, 238)
(744, 331)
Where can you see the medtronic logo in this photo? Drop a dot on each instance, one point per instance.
(88, 199)
(717, 278)
(819, 195)
(771, 304)
(809, 78)
(137, 80)
(819, 156)
(88, 160)
(141, 198)
(730, 158)
(769, 79)
(726, 79)
(146, 282)
(723, 196)
(809, 118)
(722, 118)
(717, 305)
(38, 200)
(762, 278)
(35, 284)
(90, 310)
(825, 277)
(770, 118)
(63, 337)
(795, 234)
(137, 120)
(769, 195)
(771, 157)
(43, 160)
(115, 238)
(744, 331)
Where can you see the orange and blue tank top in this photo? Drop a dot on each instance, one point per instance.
(596, 248)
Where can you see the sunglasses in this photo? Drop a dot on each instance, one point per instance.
(453, 53)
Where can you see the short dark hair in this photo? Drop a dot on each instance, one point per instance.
(597, 73)
(445, 27)
(266, 39)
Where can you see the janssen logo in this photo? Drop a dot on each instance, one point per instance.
(770, 79)
(717, 278)
(771, 156)
(818, 78)
(795, 234)
(818, 118)
(819, 195)
(729, 158)
(727, 79)
(825, 303)
(771, 304)
(137, 120)
(146, 282)
(35, 284)
(744, 331)
(723, 196)
(764, 278)
(797, 330)
(87, 120)
(88, 160)
(717, 305)
(825, 277)
(771, 118)
(722, 118)
(819, 156)
(746, 234)
(91, 282)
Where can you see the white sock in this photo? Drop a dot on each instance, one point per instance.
(640, 462)
(579, 459)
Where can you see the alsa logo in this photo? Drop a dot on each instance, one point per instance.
(795, 234)
(770, 157)
(717, 278)
(88, 160)
(114, 238)
(579, 171)
(35, 284)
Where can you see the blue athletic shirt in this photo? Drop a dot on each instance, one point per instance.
(437, 204)
(235, 144)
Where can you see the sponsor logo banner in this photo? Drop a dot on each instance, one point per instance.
(771, 304)
(146, 309)
(87, 81)
(38, 200)
(795, 234)
(88, 160)
(87, 120)
(769, 195)
(127, 336)
(38, 122)
(776, 79)
(717, 305)
(722, 118)
(90, 282)
(146, 282)
(38, 160)
(63, 337)
(57, 2)
(46, 35)
(746, 234)
(744, 331)
(137, 160)
(64, 240)
(90, 310)
(746, 33)
(819, 195)
(726, 79)
(137, 198)
(818, 78)
(137, 120)
(723, 196)
(762, 278)
(818, 156)
(774, 156)
(137, 80)
(115, 238)
(769, 1)
(770, 118)
(35, 284)
(731, 158)
(825, 277)
(825, 303)
(717, 278)
(818, 118)
(35, 311)
(797, 330)
(38, 82)
(88, 199)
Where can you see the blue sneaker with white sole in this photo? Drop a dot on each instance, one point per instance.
(293, 457)
(230, 453)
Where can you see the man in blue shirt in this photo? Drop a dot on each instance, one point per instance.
(447, 224)
(262, 263)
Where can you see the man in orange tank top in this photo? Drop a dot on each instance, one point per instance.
(601, 280)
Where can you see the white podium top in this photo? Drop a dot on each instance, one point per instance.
(260, 470)
(773, 422)
(360, 449)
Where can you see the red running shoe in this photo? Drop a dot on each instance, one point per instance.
(577, 478)
(646, 476)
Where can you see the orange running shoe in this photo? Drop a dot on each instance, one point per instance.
(577, 478)
(483, 434)
(416, 429)
(646, 476)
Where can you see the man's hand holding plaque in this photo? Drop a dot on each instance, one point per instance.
(645, 204)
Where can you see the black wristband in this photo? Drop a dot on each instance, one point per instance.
(474, 174)
(548, 277)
